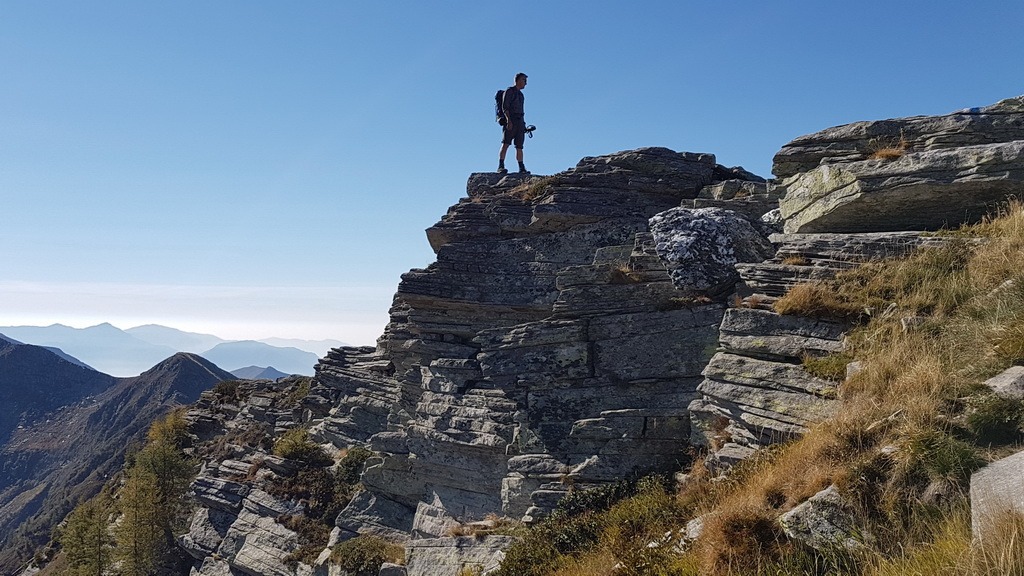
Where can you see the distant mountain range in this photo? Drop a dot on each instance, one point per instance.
(130, 352)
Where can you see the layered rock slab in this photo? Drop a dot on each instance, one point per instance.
(919, 173)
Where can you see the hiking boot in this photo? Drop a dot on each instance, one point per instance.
(523, 170)
(502, 170)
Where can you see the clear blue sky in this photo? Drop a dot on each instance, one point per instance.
(257, 168)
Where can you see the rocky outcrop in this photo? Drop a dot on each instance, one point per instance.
(546, 349)
(238, 526)
(919, 173)
(823, 522)
(756, 391)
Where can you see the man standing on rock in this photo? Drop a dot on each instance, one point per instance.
(514, 130)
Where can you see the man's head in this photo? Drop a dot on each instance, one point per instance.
(520, 80)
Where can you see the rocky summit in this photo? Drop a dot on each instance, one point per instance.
(578, 329)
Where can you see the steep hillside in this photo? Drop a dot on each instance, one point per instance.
(35, 381)
(68, 453)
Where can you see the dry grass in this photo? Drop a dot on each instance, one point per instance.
(491, 524)
(888, 148)
(624, 274)
(796, 261)
(945, 548)
(1000, 547)
(534, 189)
(598, 563)
(816, 300)
(907, 398)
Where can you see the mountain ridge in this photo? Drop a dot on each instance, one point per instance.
(125, 353)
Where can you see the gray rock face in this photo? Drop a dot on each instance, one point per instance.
(1000, 122)
(822, 522)
(546, 347)
(702, 246)
(236, 529)
(995, 491)
(943, 171)
(801, 258)
(447, 556)
(755, 391)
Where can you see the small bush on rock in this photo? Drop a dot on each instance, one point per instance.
(831, 367)
(364, 555)
(295, 444)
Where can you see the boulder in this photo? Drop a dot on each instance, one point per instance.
(448, 556)
(823, 522)
(702, 246)
(1009, 383)
(996, 490)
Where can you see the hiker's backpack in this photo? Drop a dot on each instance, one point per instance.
(499, 116)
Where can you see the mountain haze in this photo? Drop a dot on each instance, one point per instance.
(105, 347)
(173, 338)
(235, 355)
(129, 352)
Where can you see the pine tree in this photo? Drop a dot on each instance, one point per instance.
(140, 535)
(86, 538)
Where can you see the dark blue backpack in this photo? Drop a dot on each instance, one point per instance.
(499, 116)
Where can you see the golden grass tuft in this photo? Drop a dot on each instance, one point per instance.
(888, 148)
(533, 189)
(796, 261)
(816, 300)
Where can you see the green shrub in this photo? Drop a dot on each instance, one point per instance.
(226, 390)
(831, 367)
(295, 444)
(945, 457)
(302, 387)
(363, 555)
(351, 466)
(313, 537)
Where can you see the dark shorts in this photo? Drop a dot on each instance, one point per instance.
(514, 132)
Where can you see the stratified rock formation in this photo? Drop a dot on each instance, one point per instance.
(755, 391)
(546, 348)
(919, 173)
